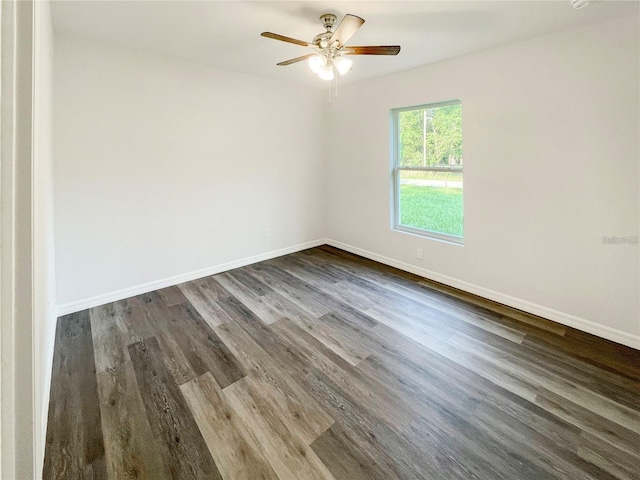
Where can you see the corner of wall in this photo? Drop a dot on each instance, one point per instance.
(44, 313)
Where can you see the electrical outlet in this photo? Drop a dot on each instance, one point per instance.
(419, 254)
(266, 233)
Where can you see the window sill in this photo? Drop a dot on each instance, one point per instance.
(440, 237)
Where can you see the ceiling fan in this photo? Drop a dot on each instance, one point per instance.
(330, 46)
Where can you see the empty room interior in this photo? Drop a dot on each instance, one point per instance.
(320, 240)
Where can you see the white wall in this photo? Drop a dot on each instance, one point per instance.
(165, 167)
(551, 151)
(43, 224)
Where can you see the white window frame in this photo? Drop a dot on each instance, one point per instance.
(396, 168)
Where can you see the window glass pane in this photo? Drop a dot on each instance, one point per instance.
(431, 201)
(430, 137)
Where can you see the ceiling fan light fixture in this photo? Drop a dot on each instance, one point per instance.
(343, 65)
(316, 63)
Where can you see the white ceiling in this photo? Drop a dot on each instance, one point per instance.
(226, 34)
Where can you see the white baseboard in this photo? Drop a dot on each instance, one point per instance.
(83, 304)
(566, 319)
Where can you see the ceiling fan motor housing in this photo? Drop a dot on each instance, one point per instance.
(322, 40)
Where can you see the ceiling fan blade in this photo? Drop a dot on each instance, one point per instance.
(282, 38)
(384, 50)
(296, 60)
(348, 26)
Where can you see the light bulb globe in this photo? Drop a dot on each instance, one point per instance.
(316, 63)
(343, 65)
(326, 72)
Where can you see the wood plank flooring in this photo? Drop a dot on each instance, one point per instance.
(325, 365)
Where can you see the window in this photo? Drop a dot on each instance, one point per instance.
(427, 170)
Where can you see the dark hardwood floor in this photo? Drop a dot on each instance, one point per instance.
(325, 365)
